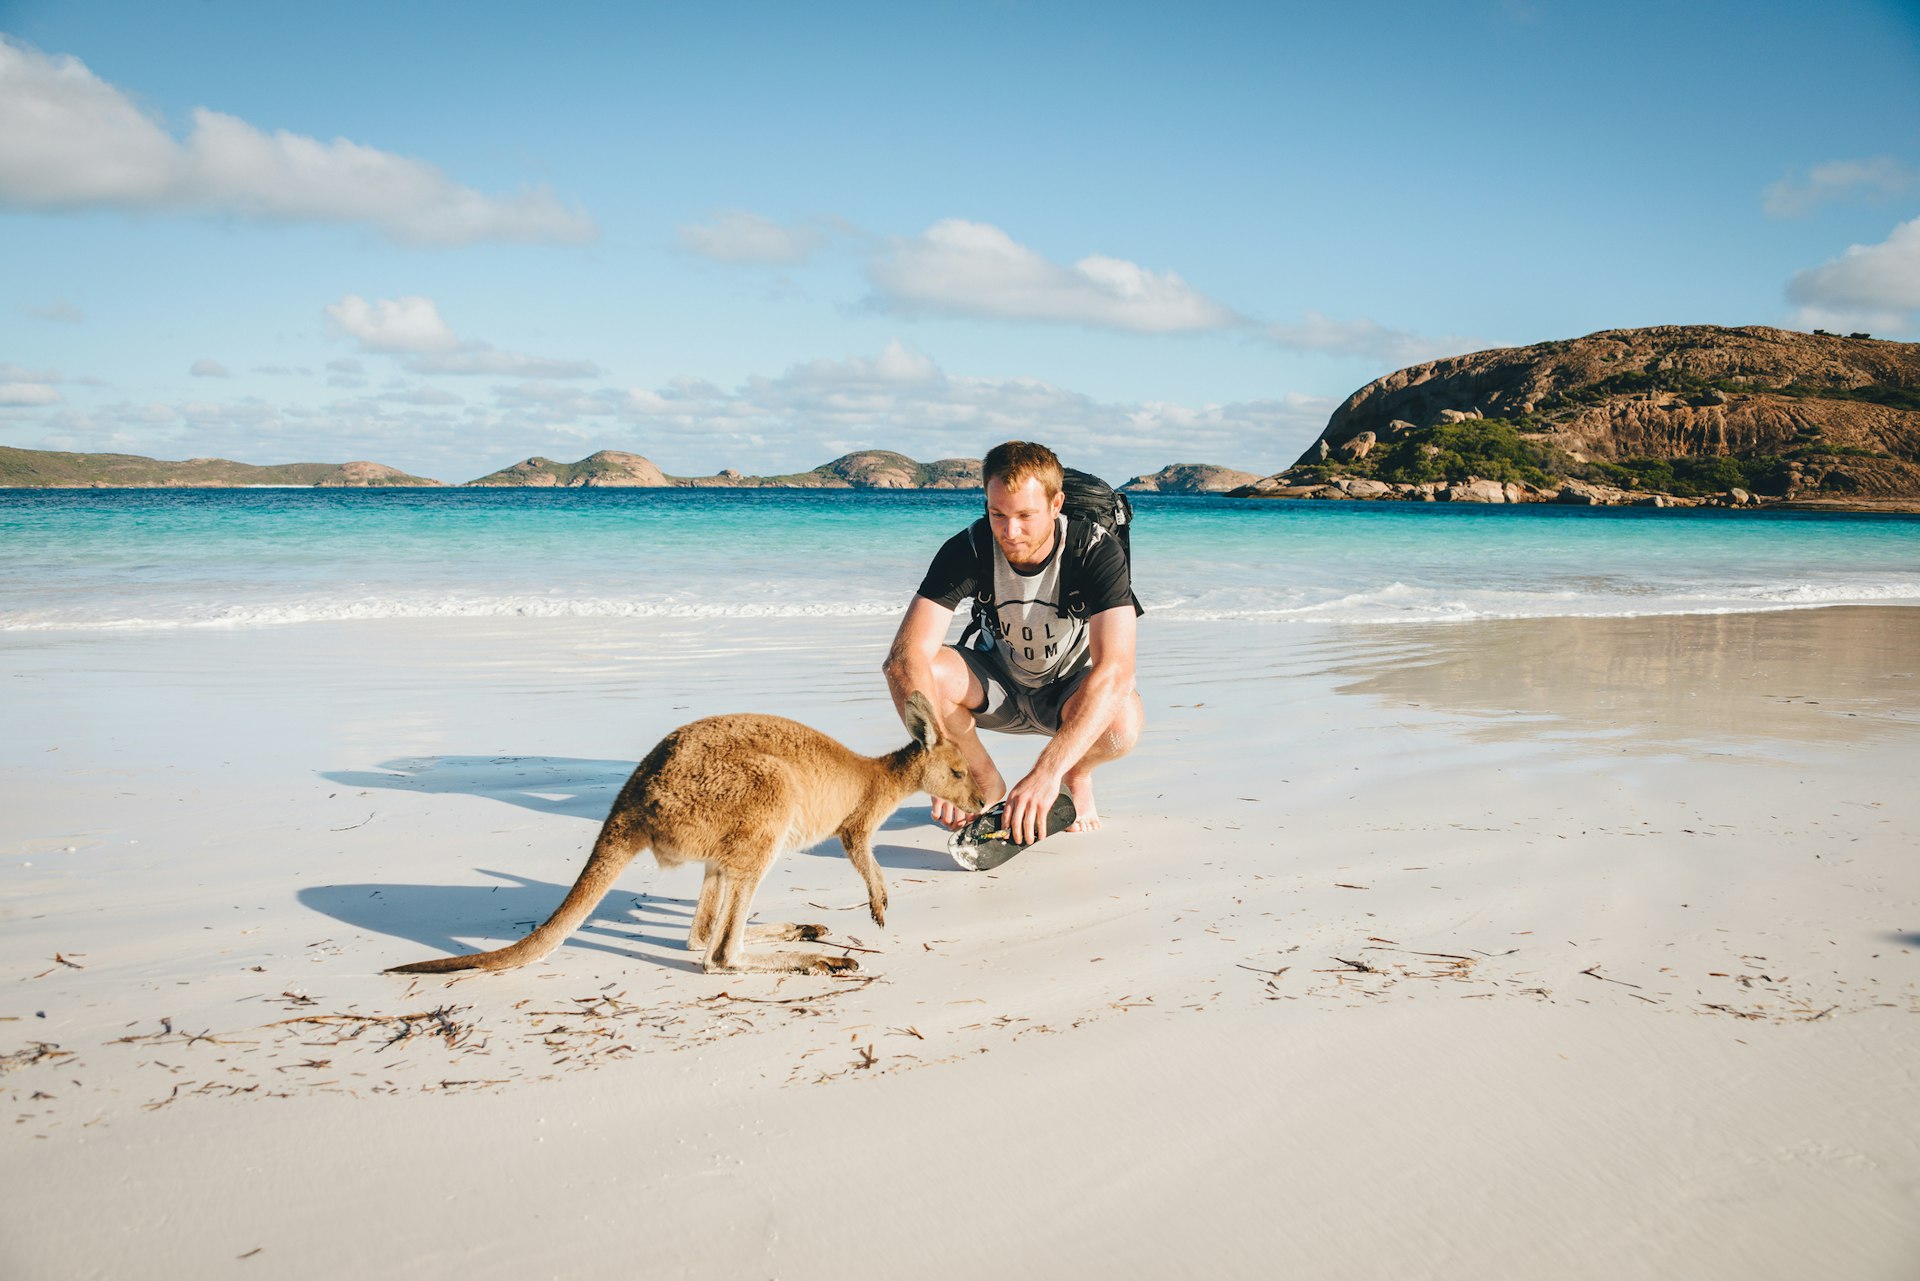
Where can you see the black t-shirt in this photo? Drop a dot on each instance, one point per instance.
(1030, 626)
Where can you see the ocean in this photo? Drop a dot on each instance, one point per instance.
(131, 559)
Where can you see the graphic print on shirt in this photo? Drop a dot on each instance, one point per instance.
(1031, 628)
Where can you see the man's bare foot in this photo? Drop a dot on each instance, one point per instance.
(1087, 816)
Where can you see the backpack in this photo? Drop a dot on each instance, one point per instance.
(1090, 504)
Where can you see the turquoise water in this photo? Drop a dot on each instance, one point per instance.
(170, 558)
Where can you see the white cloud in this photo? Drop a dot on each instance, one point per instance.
(22, 388)
(1874, 178)
(209, 368)
(1365, 338)
(1873, 287)
(479, 358)
(248, 411)
(69, 140)
(814, 411)
(423, 396)
(554, 402)
(59, 311)
(902, 400)
(33, 394)
(738, 236)
(976, 269)
(896, 366)
(411, 327)
(389, 325)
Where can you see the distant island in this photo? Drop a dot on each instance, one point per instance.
(1674, 415)
(1667, 416)
(863, 469)
(50, 469)
(609, 468)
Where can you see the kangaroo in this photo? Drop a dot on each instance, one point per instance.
(734, 793)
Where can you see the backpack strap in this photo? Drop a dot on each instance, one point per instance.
(1073, 594)
(980, 540)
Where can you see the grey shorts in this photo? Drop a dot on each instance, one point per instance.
(1012, 708)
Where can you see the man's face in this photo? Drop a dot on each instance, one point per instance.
(1022, 519)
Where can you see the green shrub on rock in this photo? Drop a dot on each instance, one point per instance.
(1490, 448)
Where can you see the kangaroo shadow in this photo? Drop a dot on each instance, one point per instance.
(452, 918)
(569, 785)
(901, 858)
(897, 858)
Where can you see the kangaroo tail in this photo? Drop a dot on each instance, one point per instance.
(611, 854)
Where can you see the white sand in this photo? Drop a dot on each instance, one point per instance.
(1636, 900)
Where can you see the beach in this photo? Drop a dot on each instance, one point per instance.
(1574, 946)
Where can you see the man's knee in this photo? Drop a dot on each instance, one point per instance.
(1126, 727)
(956, 687)
(1121, 733)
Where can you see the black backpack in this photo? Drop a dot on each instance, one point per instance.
(1090, 503)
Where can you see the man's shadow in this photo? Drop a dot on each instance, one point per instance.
(436, 916)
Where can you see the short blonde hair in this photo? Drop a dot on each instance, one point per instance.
(1016, 461)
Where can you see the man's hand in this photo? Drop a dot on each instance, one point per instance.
(1028, 803)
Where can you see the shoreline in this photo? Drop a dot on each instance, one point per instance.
(614, 614)
(1836, 506)
(1482, 918)
(1527, 497)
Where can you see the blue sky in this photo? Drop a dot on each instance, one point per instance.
(447, 237)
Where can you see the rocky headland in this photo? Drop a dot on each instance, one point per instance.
(51, 469)
(1190, 478)
(1674, 415)
(863, 469)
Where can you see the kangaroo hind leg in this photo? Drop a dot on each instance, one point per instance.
(728, 953)
(713, 892)
(712, 897)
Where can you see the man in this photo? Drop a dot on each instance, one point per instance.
(1038, 667)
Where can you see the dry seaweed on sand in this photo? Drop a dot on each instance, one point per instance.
(168, 1033)
(33, 1052)
(850, 985)
(60, 959)
(440, 1022)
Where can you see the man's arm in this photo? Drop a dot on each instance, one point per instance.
(909, 664)
(1089, 714)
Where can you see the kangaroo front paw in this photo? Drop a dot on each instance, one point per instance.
(878, 907)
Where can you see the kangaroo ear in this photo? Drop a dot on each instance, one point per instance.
(921, 722)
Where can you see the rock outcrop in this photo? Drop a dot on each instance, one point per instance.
(52, 469)
(1190, 478)
(608, 468)
(1828, 420)
(863, 469)
(884, 469)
